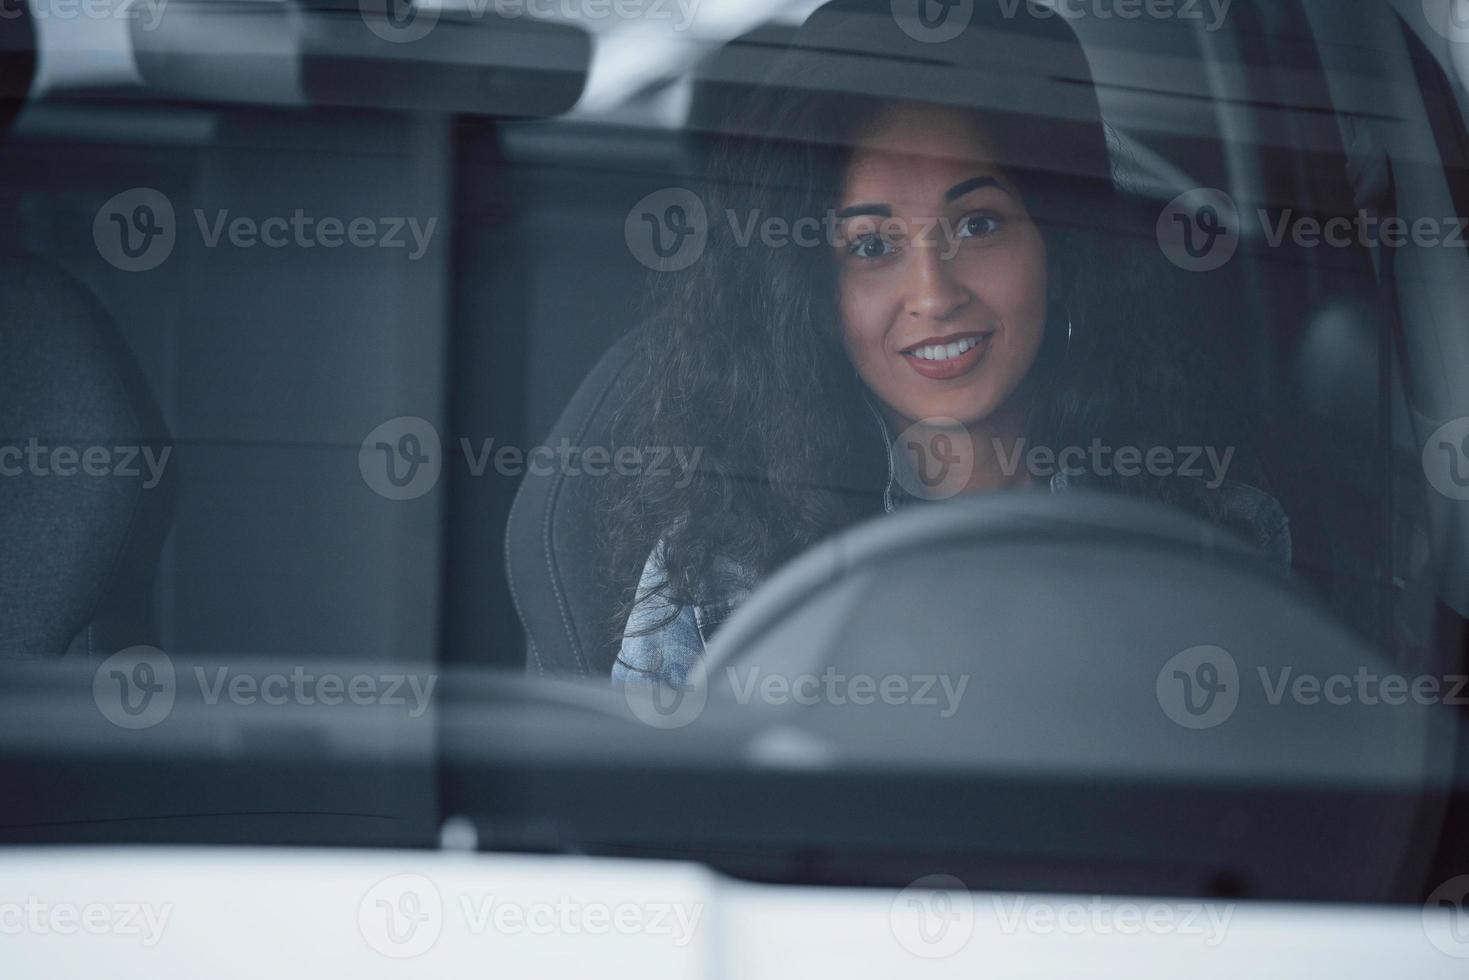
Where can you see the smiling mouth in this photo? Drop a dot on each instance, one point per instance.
(947, 358)
(945, 349)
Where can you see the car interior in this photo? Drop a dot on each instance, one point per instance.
(258, 371)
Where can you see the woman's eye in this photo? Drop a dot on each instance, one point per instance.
(870, 247)
(978, 226)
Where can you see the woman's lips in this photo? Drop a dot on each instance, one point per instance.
(950, 367)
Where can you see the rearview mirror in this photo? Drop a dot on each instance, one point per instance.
(381, 54)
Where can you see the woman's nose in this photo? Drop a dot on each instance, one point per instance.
(933, 291)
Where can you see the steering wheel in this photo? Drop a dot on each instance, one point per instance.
(1061, 637)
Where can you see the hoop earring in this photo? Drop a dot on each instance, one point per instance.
(1066, 344)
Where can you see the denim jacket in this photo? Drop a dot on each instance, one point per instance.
(664, 654)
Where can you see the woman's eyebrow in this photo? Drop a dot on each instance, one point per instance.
(857, 210)
(972, 184)
(951, 195)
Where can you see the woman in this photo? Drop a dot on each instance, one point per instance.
(970, 294)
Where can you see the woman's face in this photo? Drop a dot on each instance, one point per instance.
(941, 274)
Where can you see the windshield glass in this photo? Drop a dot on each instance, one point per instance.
(823, 441)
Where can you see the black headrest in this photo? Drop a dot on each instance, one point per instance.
(86, 489)
(557, 579)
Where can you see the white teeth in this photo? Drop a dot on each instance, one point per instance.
(944, 352)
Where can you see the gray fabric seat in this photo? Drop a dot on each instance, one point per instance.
(77, 550)
(80, 529)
